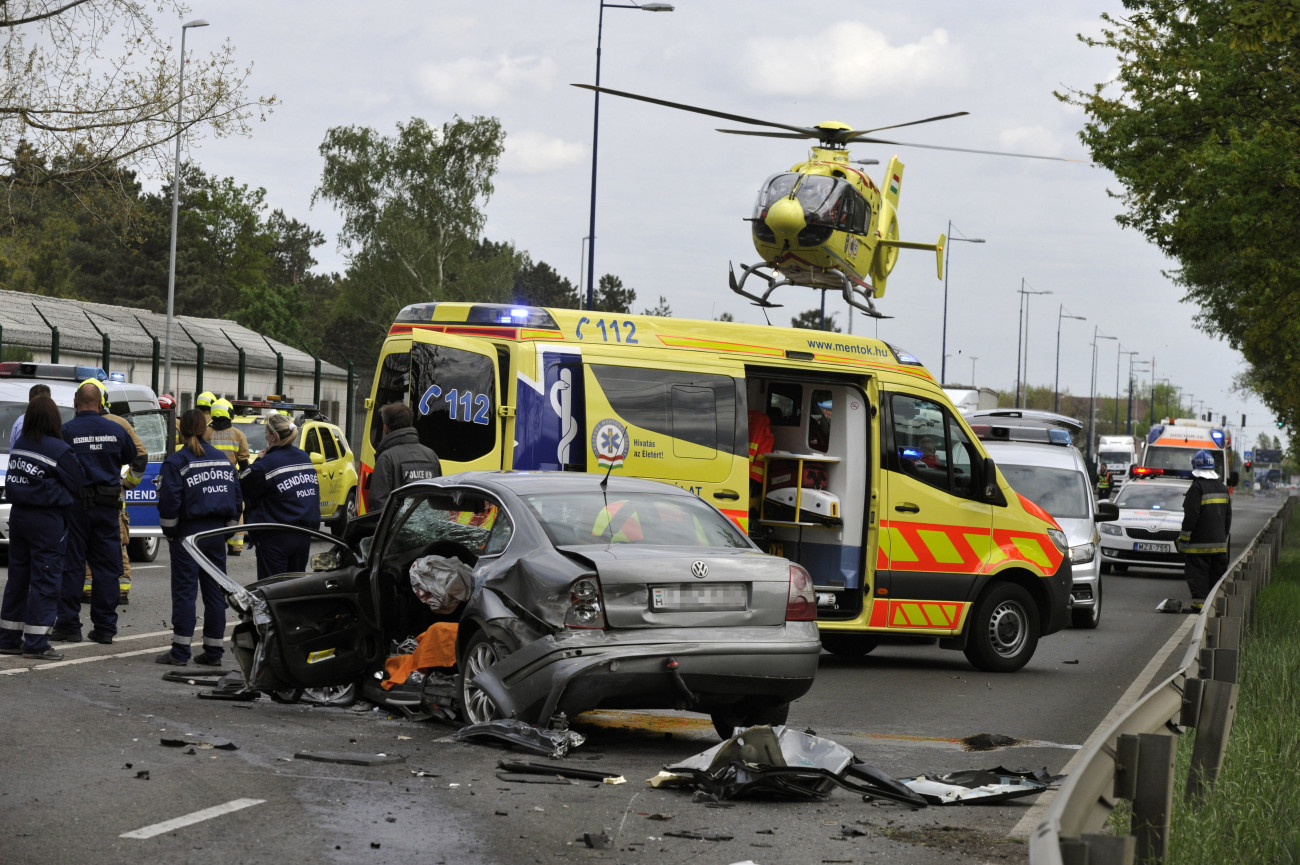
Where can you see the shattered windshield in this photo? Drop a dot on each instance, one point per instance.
(636, 518)
(478, 525)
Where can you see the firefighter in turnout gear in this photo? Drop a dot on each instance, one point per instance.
(199, 491)
(129, 482)
(232, 442)
(1207, 522)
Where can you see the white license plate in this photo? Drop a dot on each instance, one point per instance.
(692, 596)
(1152, 548)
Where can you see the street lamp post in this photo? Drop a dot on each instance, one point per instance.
(1092, 393)
(972, 374)
(176, 196)
(595, 138)
(1056, 387)
(1023, 330)
(1119, 352)
(1132, 363)
(943, 344)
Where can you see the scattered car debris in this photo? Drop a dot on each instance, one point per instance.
(987, 742)
(598, 840)
(981, 786)
(700, 836)
(1170, 605)
(143, 774)
(199, 743)
(781, 763)
(348, 758)
(525, 778)
(555, 769)
(424, 773)
(203, 680)
(548, 743)
(852, 832)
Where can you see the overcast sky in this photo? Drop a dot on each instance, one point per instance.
(672, 192)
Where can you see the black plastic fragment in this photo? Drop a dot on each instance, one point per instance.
(348, 758)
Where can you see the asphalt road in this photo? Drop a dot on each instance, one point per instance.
(85, 772)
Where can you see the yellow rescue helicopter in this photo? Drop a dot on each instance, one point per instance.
(824, 223)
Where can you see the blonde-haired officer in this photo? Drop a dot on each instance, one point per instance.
(231, 441)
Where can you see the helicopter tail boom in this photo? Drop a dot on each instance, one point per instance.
(938, 248)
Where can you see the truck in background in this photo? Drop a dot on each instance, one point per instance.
(1117, 454)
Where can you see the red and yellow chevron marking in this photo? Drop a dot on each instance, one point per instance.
(1188, 443)
(916, 615)
(949, 549)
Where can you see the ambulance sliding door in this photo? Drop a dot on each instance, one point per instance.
(679, 425)
(455, 397)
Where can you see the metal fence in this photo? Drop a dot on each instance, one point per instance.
(1134, 759)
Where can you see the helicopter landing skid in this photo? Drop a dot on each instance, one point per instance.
(853, 295)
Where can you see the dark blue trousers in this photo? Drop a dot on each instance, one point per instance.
(281, 553)
(94, 537)
(31, 600)
(188, 582)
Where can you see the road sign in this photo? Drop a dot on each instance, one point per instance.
(1249, 455)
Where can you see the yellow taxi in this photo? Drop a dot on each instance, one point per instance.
(324, 442)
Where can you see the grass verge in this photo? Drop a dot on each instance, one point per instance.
(1252, 816)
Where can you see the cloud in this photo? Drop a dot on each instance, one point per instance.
(1032, 139)
(485, 83)
(536, 153)
(848, 60)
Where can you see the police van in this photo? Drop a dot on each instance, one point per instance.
(838, 452)
(135, 402)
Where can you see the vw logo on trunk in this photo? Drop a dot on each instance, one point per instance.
(700, 570)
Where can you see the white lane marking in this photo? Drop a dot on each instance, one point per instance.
(13, 671)
(1135, 692)
(191, 819)
(146, 567)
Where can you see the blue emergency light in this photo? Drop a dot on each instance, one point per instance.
(117, 376)
(1217, 436)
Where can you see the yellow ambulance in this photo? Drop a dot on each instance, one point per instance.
(838, 452)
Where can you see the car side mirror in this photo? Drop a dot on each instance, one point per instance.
(317, 459)
(1107, 511)
(989, 474)
(1234, 479)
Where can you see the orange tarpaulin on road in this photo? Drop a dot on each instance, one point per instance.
(436, 647)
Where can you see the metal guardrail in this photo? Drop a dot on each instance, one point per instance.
(1134, 759)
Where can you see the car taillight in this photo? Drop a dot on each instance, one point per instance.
(801, 605)
(586, 610)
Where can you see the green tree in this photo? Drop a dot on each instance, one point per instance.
(1199, 127)
(539, 285)
(726, 316)
(412, 208)
(611, 296)
(661, 309)
(94, 84)
(811, 319)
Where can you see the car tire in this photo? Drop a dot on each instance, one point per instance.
(143, 549)
(329, 695)
(339, 524)
(848, 645)
(1003, 629)
(750, 712)
(481, 652)
(1088, 618)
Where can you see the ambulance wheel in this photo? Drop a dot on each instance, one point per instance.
(750, 712)
(339, 524)
(143, 549)
(1003, 629)
(848, 645)
(480, 653)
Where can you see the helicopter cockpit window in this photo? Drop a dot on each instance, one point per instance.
(776, 187)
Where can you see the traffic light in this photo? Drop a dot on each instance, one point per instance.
(1278, 422)
(1245, 466)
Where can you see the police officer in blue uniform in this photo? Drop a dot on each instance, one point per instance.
(44, 481)
(281, 487)
(199, 491)
(102, 447)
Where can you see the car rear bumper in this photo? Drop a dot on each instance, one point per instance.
(660, 668)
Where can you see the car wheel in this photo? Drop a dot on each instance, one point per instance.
(480, 653)
(750, 712)
(329, 695)
(1088, 617)
(1003, 629)
(339, 524)
(143, 549)
(1121, 569)
(848, 645)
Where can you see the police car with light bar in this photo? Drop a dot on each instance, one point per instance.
(1145, 534)
(1034, 451)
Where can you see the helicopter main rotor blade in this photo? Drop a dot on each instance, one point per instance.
(767, 134)
(967, 150)
(807, 132)
(850, 136)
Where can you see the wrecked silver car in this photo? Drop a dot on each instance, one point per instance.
(579, 594)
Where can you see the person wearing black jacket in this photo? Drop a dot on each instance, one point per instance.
(44, 482)
(1207, 522)
(400, 458)
(280, 486)
(199, 491)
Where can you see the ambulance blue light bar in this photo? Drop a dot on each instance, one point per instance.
(1216, 435)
